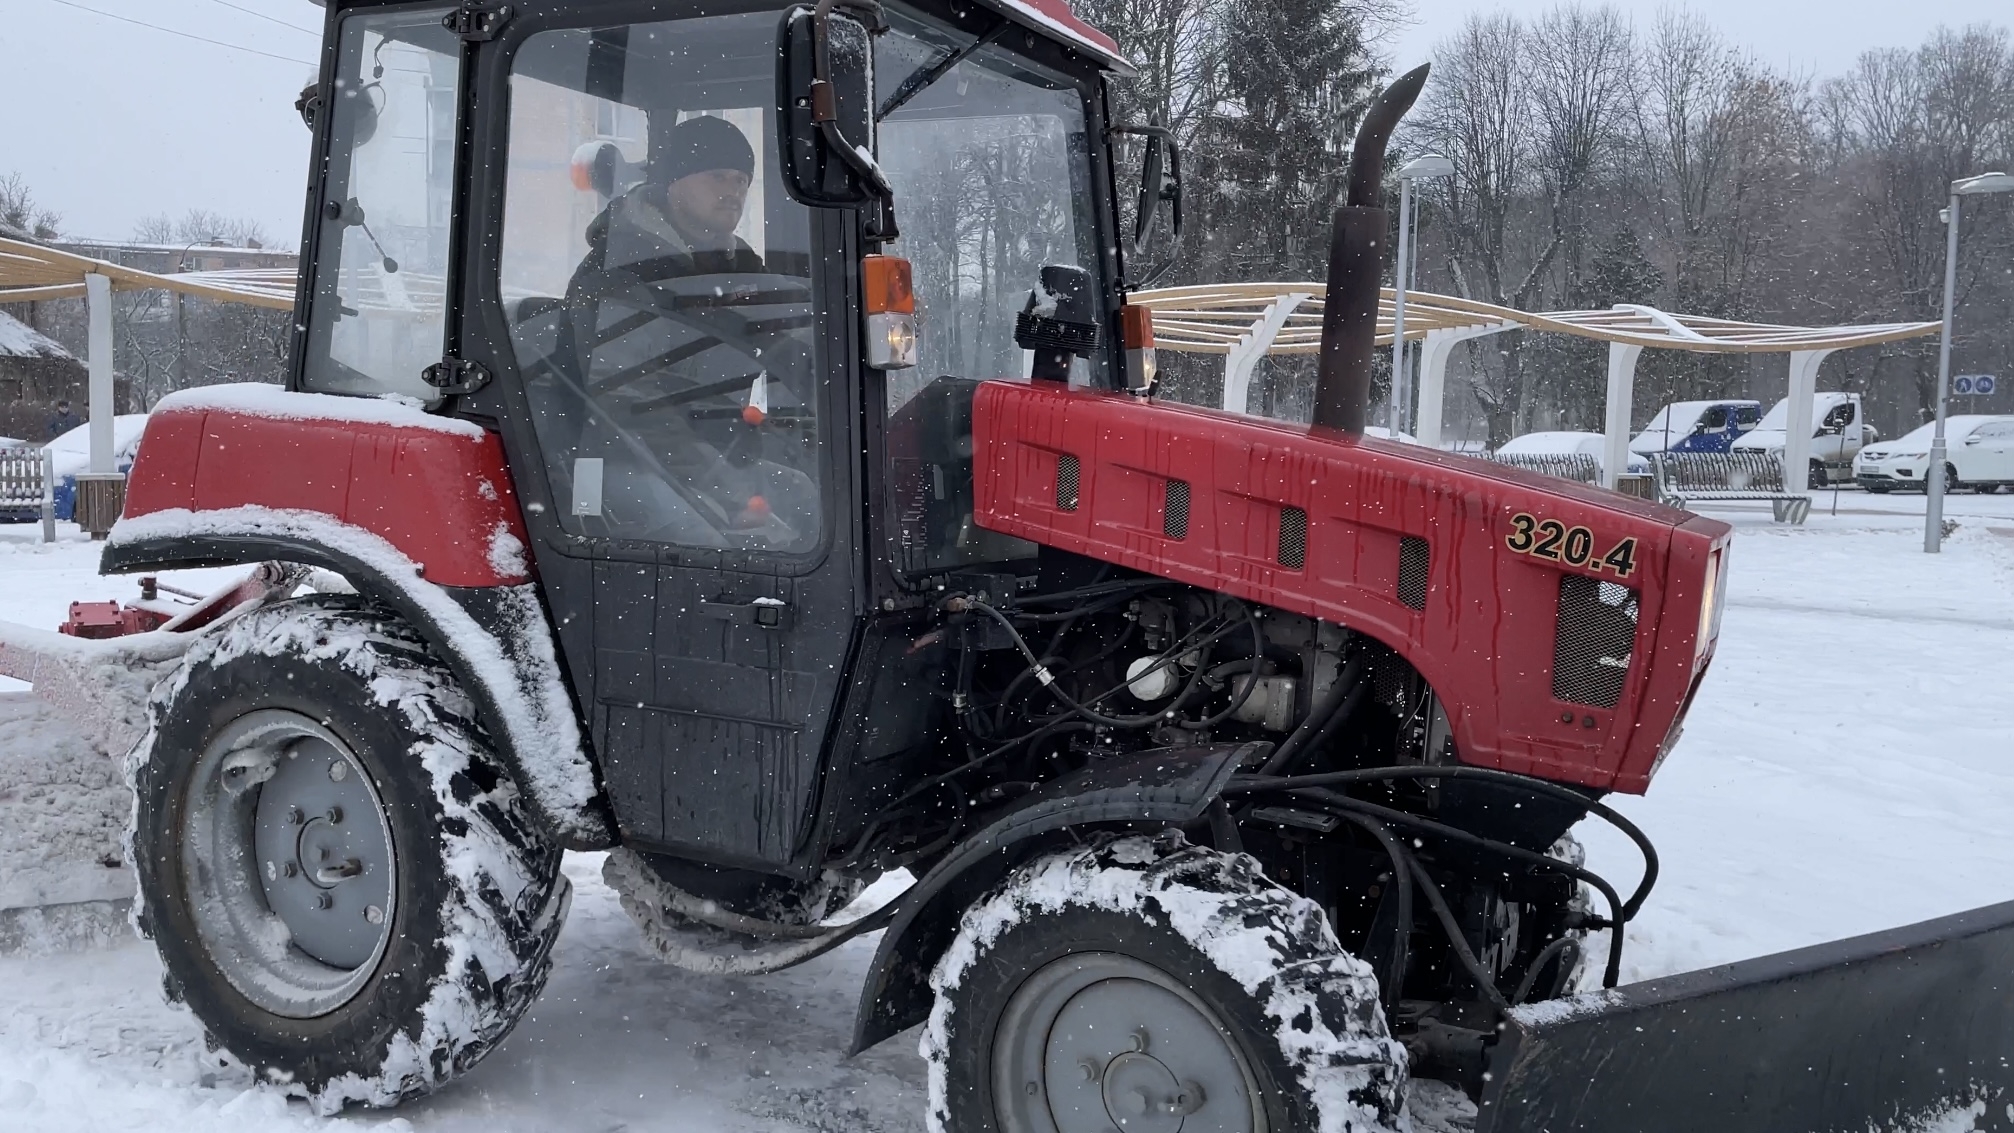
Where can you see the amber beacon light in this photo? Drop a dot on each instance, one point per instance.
(890, 301)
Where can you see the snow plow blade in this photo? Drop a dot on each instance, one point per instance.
(1888, 1031)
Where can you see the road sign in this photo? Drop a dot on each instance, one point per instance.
(1973, 385)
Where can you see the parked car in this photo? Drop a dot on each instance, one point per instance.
(1978, 454)
(1839, 430)
(71, 454)
(1697, 426)
(1570, 443)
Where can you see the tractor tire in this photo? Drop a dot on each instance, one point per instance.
(344, 883)
(1144, 984)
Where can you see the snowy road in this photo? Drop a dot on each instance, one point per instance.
(1847, 767)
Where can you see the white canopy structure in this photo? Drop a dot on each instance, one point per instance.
(31, 273)
(1246, 321)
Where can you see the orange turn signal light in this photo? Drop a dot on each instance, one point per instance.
(886, 287)
(1136, 327)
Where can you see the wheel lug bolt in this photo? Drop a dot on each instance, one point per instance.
(335, 816)
(295, 817)
(290, 870)
(376, 915)
(1092, 1071)
(324, 901)
(338, 771)
(1139, 1040)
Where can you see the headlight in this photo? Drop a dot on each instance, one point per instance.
(1710, 601)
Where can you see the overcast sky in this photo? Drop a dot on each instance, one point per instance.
(110, 122)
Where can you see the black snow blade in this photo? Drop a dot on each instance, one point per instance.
(1874, 1033)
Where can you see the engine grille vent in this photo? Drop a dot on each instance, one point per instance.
(1293, 551)
(1067, 471)
(1596, 632)
(1175, 516)
(1414, 559)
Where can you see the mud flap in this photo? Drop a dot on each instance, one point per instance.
(1865, 1035)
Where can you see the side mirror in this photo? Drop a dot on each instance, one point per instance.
(825, 106)
(1160, 183)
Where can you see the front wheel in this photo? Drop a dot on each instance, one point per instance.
(344, 883)
(1818, 478)
(1146, 985)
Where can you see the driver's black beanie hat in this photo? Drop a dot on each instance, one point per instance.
(695, 146)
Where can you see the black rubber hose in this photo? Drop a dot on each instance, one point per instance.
(1545, 956)
(1480, 975)
(1048, 679)
(1246, 784)
(1402, 894)
(1503, 849)
(1342, 703)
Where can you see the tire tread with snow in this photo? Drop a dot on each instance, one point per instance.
(479, 898)
(1304, 1014)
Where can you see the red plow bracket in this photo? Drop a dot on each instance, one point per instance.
(1873, 1032)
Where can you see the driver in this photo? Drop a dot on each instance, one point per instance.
(681, 220)
(680, 223)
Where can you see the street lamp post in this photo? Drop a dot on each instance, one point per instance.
(1430, 165)
(1933, 476)
(179, 374)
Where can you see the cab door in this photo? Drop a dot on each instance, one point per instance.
(672, 349)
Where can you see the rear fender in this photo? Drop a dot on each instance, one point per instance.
(497, 639)
(1172, 787)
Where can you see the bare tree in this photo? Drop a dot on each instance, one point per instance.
(20, 215)
(201, 226)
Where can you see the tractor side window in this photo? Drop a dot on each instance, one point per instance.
(992, 175)
(379, 311)
(657, 279)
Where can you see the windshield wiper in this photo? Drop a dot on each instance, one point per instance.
(917, 80)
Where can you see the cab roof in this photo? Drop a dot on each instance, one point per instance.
(1055, 18)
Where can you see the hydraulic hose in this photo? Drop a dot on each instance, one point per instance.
(1250, 784)
(1344, 804)
(1402, 896)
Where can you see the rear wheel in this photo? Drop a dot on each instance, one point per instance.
(343, 882)
(1818, 477)
(1146, 985)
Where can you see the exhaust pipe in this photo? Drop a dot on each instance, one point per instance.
(1356, 265)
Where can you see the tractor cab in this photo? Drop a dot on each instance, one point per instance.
(724, 283)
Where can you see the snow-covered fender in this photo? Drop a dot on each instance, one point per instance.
(415, 510)
(1169, 787)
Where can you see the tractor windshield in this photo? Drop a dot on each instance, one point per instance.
(993, 179)
(991, 162)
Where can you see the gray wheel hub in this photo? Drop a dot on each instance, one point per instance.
(1103, 1043)
(289, 863)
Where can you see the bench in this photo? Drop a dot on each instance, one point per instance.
(1684, 478)
(1577, 466)
(27, 487)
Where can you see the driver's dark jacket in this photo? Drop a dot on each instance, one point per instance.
(633, 234)
(632, 237)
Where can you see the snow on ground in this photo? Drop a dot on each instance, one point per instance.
(1846, 768)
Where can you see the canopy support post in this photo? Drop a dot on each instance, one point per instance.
(1622, 358)
(1797, 423)
(1246, 352)
(98, 303)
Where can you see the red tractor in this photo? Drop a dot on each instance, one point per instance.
(672, 514)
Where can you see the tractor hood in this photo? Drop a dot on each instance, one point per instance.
(1563, 626)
